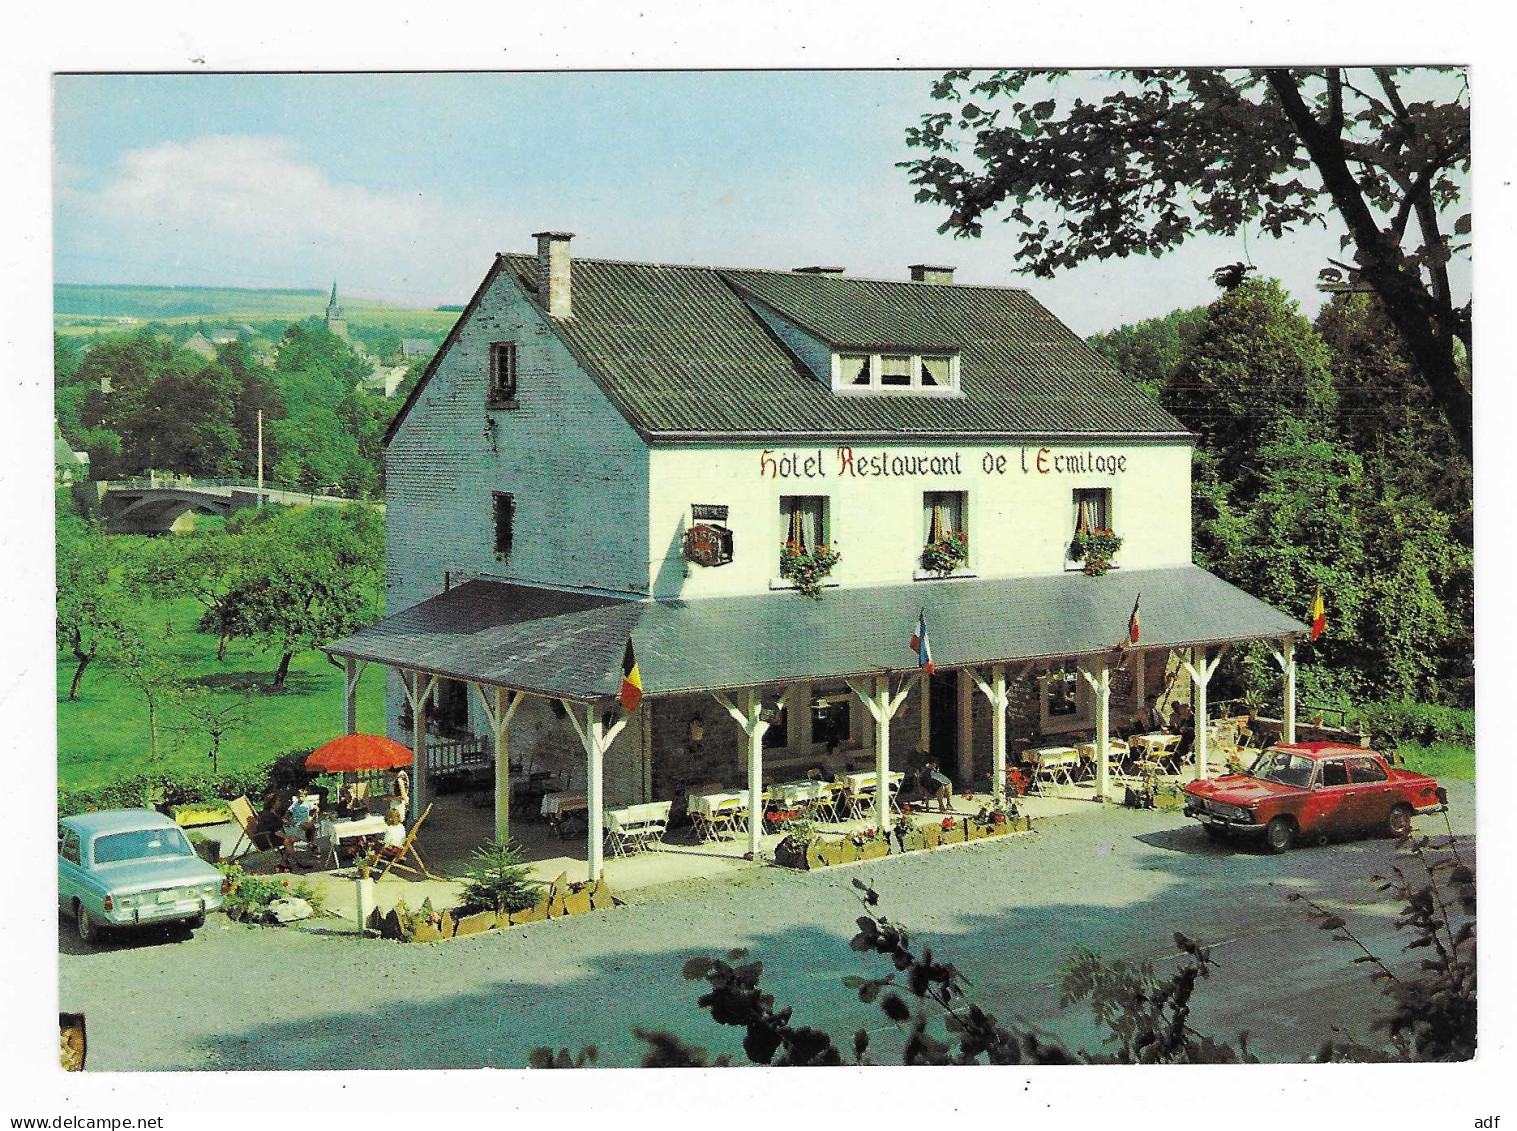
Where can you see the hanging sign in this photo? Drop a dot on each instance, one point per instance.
(708, 545)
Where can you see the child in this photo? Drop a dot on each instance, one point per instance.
(394, 837)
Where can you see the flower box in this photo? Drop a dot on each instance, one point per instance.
(873, 849)
(913, 841)
(932, 835)
(954, 833)
(194, 813)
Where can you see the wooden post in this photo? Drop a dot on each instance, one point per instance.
(1099, 678)
(1285, 657)
(1200, 672)
(418, 691)
(882, 706)
(352, 669)
(751, 718)
(498, 713)
(1137, 666)
(995, 691)
(595, 737)
(924, 724)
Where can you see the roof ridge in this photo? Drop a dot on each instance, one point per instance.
(788, 272)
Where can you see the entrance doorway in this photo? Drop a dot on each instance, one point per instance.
(943, 723)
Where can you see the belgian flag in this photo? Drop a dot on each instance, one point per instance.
(632, 680)
(1133, 630)
(1319, 615)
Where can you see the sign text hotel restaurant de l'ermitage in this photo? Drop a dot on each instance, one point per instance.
(845, 462)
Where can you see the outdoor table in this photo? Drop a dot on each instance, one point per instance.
(1115, 748)
(1054, 762)
(559, 809)
(334, 832)
(867, 780)
(1160, 747)
(704, 807)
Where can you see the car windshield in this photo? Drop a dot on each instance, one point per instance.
(141, 844)
(1284, 767)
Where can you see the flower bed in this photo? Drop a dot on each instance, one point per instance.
(426, 924)
(814, 852)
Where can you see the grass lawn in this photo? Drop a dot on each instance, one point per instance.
(1452, 761)
(104, 736)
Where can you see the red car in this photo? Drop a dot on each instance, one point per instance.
(1312, 790)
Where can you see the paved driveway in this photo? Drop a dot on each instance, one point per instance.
(1007, 912)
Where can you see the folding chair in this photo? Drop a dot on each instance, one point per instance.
(727, 818)
(242, 811)
(409, 849)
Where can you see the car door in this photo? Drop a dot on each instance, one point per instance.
(1373, 796)
(1329, 808)
(69, 866)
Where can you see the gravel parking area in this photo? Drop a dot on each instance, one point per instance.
(1007, 911)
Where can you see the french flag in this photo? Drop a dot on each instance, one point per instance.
(920, 644)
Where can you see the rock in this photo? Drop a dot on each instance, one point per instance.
(289, 910)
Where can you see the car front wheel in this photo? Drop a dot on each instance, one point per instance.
(1399, 823)
(1280, 834)
(89, 930)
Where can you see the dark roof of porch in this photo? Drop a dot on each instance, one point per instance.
(569, 645)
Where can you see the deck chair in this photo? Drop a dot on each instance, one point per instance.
(242, 811)
(408, 850)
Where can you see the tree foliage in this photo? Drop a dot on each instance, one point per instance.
(1167, 153)
(303, 578)
(91, 608)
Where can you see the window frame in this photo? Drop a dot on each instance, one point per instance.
(502, 394)
(874, 360)
(1108, 504)
(1084, 715)
(496, 499)
(825, 536)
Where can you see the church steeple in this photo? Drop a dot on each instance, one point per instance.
(335, 321)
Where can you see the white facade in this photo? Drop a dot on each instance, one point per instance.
(1019, 517)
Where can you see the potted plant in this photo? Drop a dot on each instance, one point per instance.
(807, 571)
(944, 555)
(799, 848)
(1096, 548)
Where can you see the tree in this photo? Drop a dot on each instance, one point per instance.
(1150, 350)
(214, 718)
(1168, 153)
(157, 683)
(1252, 361)
(91, 608)
(307, 577)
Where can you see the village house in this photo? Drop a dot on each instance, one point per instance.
(610, 451)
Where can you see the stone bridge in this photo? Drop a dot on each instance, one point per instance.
(169, 506)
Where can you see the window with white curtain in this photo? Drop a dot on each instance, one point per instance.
(803, 520)
(1090, 510)
(943, 512)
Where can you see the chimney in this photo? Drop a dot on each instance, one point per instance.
(927, 273)
(818, 271)
(554, 273)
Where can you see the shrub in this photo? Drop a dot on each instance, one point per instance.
(249, 895)
(498, 881)
(167, 789)
(1429, 724)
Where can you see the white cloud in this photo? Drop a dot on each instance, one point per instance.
(257, 202)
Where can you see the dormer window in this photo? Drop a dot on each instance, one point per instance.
(895, 372)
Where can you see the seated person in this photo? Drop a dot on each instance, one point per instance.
(1185, 727)
(400, 791)
(269, 830)
(348, 805)
(300, 821)
(394, 837)
(935, 785)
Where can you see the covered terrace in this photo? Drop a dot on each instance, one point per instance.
(746, 656)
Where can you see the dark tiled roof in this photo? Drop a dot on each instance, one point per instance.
(681, 353)
(570, 645)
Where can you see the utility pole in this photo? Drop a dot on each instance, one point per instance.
(260, 457)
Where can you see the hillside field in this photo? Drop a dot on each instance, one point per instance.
(85, 310)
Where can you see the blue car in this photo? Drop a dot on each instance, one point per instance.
(131, 867)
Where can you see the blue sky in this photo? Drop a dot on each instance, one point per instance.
(403, 186)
